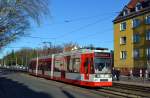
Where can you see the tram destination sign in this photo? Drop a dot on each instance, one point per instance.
(103, 55)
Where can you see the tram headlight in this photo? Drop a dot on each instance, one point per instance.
(105, 76)
(102, 75)
(99, 75)
(108, 76)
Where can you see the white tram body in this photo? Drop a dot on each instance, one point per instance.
(85, 67)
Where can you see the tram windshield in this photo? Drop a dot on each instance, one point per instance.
(102, 65)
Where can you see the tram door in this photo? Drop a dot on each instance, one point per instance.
(86, 65)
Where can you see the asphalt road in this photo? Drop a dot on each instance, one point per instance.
(20, 85)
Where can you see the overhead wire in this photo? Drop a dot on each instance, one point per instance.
(81, 28)
(66, 21)
(75, 30)
(94, 34)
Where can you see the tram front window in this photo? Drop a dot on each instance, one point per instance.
(102, 65)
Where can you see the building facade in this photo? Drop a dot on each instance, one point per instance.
(132, 37)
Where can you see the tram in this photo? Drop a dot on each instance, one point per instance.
(89, 67)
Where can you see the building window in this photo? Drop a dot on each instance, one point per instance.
(138, 7)
(123, 26)
(135, 23)
(136, 53)
(136, 38)
(147, 20)
(123, 55)
(148, 35)
(123, 40)
(148, 52)
(126, 12)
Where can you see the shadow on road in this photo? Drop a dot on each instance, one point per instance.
(13, 89)
(6, 72)
(68, 94)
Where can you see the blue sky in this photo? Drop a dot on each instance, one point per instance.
(82, 21)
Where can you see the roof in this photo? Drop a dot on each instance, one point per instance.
(133, 3)
(130, 7)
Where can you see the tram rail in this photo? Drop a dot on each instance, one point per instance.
(119, 94)
(126, 91)
(132, 87)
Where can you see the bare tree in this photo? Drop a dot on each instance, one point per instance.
(69, 46)
(16, 16)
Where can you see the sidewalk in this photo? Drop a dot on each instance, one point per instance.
(134, 81)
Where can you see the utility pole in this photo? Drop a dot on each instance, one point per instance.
(26, 60)
(4, 64)
(11, 61)
(16, 61)
(22, 61)
(37, 63)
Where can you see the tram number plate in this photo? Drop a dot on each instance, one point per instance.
(103, 79)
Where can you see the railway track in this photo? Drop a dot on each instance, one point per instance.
(110, 93)
(132, 87)
(126, 91)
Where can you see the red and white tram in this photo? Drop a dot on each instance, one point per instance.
(85, 67)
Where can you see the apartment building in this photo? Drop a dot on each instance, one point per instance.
(132, 37)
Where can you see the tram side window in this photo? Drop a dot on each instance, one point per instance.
(49, 66)
(40, 66)
(58, 65)
(46, 66)
(64, 65)
(75, 64)
(32, 65)
(68, 62)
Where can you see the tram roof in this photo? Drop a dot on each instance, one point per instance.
(78, 51)
(94, 48)
(84, 50)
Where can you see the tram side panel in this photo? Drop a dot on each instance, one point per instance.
(44, 67)
(73, 68)
(80, 70)
(73, 63)
(65, 68)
